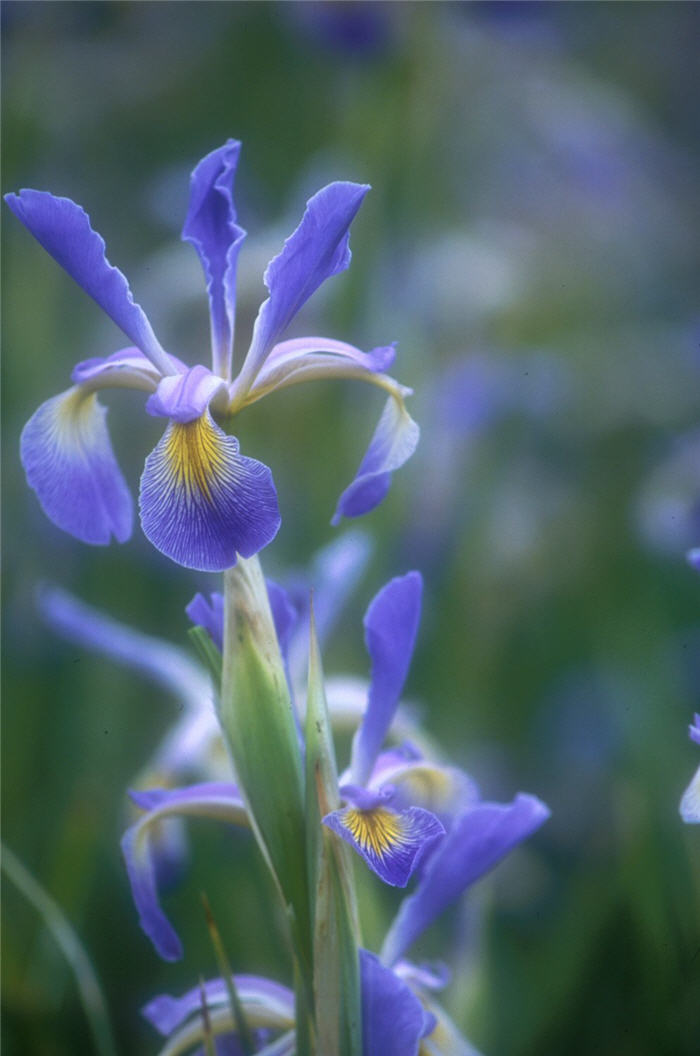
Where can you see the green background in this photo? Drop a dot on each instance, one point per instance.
(531, 221)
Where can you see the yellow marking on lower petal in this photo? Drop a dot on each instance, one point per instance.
(377, 831)
(195, 455)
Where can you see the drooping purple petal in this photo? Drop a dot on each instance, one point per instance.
(391, 623)
(393, 1019)
(64, 230)
(690, 803)
(127, 369)
(313, 358)
(166, 1013)
(212, 229)
(316, 250)
(202, 502)
(392, 843)
(208, 614)
(694, 730)
(69, 462)
(394, 441)
(476, 842)
(185, 397)
(212, 800)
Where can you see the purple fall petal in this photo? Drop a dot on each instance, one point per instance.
(185, 397)
(209, 615)
(64, 230)
(391, 623)
(393, 1019)
(394, 441)
(316, 250)
(69, 462)
(477, 841)
(202, 503)
(217, 800)
(392, 843)
(212, 229)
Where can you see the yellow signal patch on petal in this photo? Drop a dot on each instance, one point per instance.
(195, 455)
(377, 831)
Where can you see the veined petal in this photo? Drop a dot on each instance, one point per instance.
(185, 397)
(210, 800)
(64, 230)
(69, 462)
(391, 842)
(314, 358)
(690, 803)
(212, 229)
(391, 624)
(126, 369)
(265, 1002)
(479, 838)
(394, 441)
(202, 502)
(393, 1019)
(317, 249)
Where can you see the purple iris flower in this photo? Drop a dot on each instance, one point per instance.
(201, 501)
(690, 803)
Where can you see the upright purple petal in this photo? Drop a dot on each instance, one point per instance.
(212, 229)
(317, 249)
(69, 462)
(391, 623)
(394, 441)
(64, 230)
(477, 841)
(217, 800)
(184, 397)
(393, 1019)
(202, 502)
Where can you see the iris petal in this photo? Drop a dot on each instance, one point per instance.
(690, 803)
(218, 800)
(316, 250)
(391, 842)
(69, 462)
(265, 1001)
(479, 838)
(64, 230)
(212, 229)
(202, 502)
(393, 442)
(393, 1019)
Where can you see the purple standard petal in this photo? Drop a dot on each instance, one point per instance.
(212, 229)
(317, 249)
(690, 803)
(211, 800)
(64, 230)
(392, 843)
(477, 841)
(167, 1013)
(393, 1019)
(394, 441)
(69, 462)
(391, 623)
(202, 502)
(185, 397)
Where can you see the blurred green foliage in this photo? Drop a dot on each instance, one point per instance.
(532, 208)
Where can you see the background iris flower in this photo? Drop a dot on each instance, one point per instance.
(201, 501)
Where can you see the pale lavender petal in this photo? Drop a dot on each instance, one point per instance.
(69, 462)
(64, 230)
(476, 842)
(202, 503)
(317, 249)
(212, 229)
(166, 1013)
(694, 730)
(391, 624)
(693, 558)
(394, 441)
(185, 397)
(434, 976)
(444, 790)
(314, 358)
(393, 1019)
(128, 369)
(690, 803)
(392, 843)
(213, 800)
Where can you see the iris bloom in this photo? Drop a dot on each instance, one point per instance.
(201, 501)
(690, 803)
